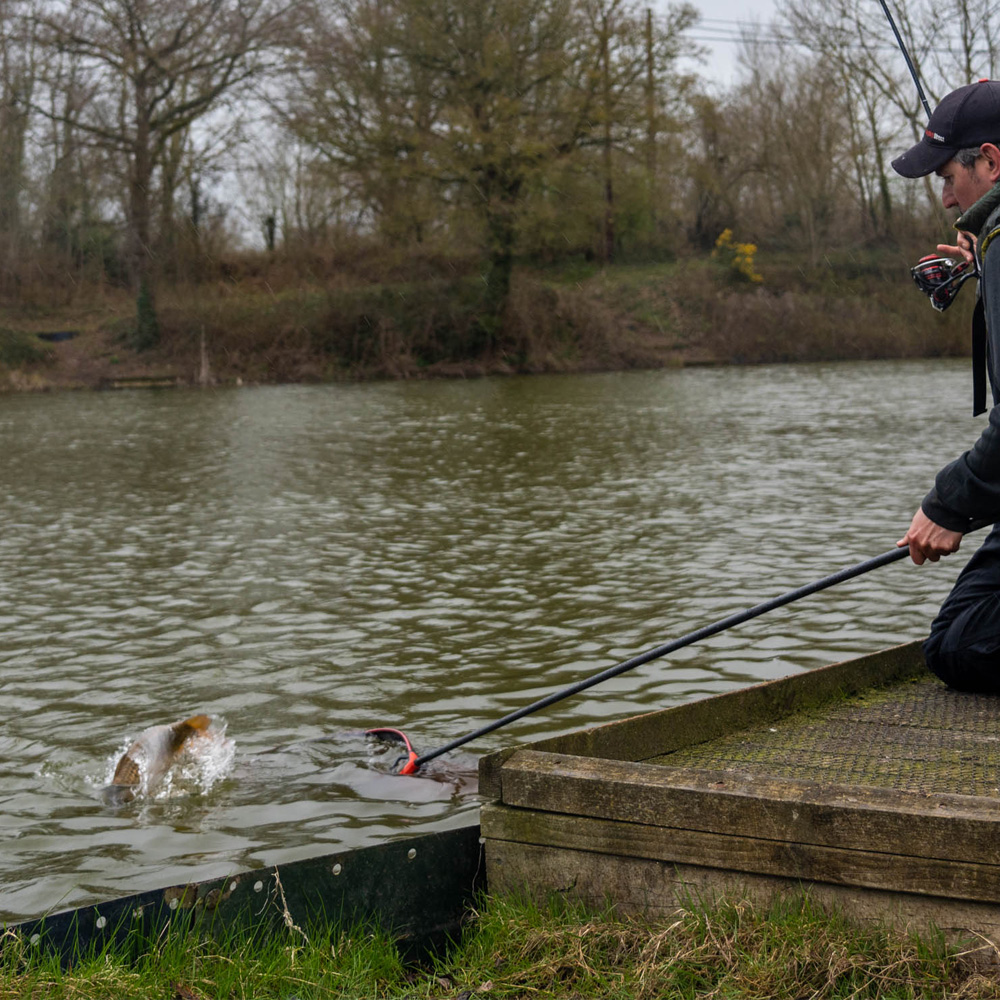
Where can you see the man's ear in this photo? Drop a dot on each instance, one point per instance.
(991, 154)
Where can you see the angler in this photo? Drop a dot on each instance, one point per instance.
(961, 145)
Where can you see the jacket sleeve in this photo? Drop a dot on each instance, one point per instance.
(968, 489)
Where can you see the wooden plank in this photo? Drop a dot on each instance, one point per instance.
(935, 826)
(140, 382)
(838, 866)
(654, 733)
(659, 888)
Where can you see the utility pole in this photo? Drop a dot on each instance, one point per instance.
(651, 129)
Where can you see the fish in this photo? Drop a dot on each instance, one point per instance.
(145, 763)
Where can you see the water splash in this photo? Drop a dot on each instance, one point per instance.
(202, 761)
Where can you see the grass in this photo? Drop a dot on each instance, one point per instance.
(517, 949)
(330, 964)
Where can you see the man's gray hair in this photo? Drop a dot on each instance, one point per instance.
(968, 157)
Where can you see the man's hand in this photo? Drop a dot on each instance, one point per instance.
(962, 250)
(928, 540)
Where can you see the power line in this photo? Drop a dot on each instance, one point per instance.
(734, 32)
(737, 39)
(726, 35)
(726, 29)
(728, 20)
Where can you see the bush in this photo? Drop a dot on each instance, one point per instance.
(430, 322)
(17, 349)
(851, 309)
(737, 259)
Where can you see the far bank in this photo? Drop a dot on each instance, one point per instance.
(266, 321)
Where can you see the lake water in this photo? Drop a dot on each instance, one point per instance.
(303, 563)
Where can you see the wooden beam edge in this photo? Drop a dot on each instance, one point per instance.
(742, 854)
(939, 826)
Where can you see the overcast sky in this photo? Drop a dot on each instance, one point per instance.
(719, 30)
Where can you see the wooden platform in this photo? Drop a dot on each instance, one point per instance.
(868, 783)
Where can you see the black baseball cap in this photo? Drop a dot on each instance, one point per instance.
(965, 118)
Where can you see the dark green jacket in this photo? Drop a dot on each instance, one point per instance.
(968, 489)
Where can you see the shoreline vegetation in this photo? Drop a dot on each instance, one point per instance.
(270, 319)
(404, 188)
(515, 949)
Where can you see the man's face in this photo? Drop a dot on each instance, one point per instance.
(964, 186)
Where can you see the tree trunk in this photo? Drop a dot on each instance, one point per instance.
(501, 206)
(651, 125)
(147, 330)
(609, 192)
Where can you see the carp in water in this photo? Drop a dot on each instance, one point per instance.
(145, 763)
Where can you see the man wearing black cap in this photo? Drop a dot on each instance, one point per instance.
(962, 146)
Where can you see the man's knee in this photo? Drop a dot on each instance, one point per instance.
(965, 657)
(963, 647)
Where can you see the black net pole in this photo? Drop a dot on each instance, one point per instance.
(893, 555)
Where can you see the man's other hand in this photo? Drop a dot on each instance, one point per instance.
(928, 540)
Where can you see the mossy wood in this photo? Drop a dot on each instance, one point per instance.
(868, 778)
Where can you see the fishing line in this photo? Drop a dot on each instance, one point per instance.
(906, 56)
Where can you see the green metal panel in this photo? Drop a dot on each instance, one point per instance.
(419, 889)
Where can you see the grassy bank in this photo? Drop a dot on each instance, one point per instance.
(517, 950)
(266, 322)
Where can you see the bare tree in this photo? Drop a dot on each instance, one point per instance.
(634, 78)
(153, 67)
(194, 158)
(18, 77)
(294, 195)
(951, 42)
(716, 165)
(793, 117)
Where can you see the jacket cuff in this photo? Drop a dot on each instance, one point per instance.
(941, 515)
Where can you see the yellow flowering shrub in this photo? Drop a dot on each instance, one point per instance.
(736, 258)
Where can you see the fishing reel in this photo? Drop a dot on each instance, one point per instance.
(940, 278)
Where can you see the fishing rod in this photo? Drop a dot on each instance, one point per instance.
(939, 278)
(414, 760)
(906, 56)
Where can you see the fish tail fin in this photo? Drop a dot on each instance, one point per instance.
(127, 771)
